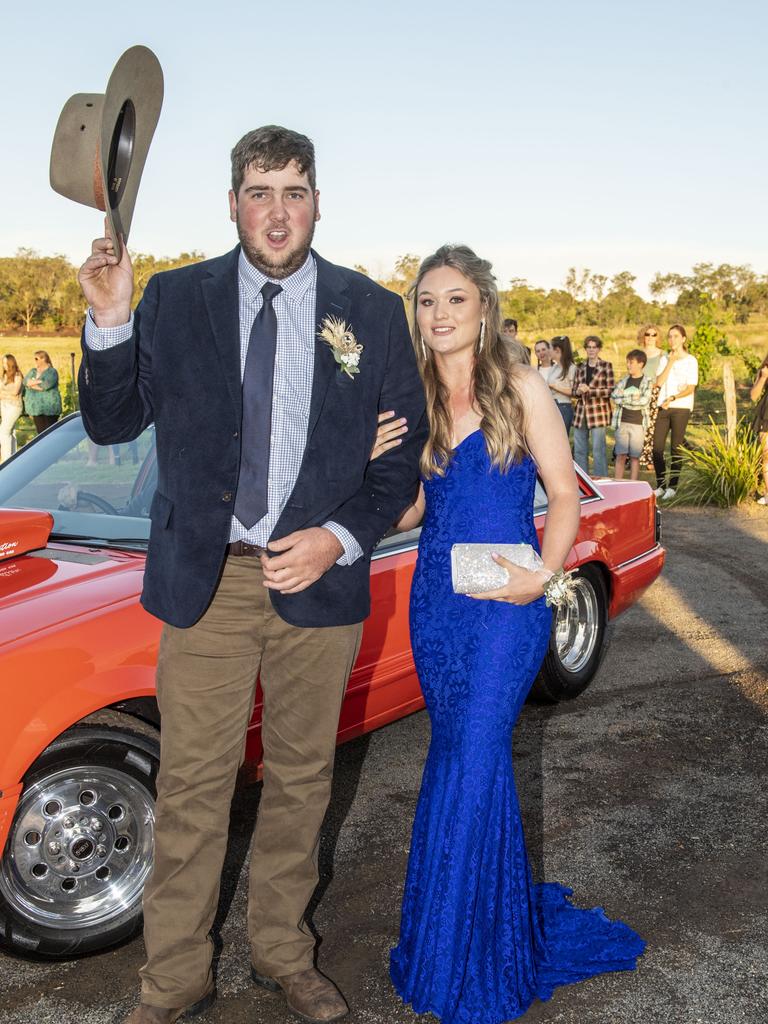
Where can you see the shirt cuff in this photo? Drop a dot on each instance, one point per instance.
(100, 338)
(352, 550)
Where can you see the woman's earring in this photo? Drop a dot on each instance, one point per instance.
(482, 335)
(423, 346)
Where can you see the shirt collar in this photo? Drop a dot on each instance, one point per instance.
(295, 286)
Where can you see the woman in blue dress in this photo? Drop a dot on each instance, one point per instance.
(478, 940)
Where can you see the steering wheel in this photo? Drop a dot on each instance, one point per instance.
(87, 498)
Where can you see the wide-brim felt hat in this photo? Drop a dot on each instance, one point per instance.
(102, 140)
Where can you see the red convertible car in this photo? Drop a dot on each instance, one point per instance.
(79, 730)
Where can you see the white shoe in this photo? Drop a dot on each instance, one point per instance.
(669, 493)
(763, 500)
(659, 491)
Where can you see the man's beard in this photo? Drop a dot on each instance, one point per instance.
(276, 265)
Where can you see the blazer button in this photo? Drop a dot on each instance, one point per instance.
(226, 496)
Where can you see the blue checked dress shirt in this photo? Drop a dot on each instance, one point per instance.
(292, 383)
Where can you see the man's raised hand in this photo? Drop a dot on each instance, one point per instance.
(107, 283)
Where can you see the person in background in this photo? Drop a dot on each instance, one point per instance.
(593, 383)
(561, 384)
(632, 396)
(648, 338)
(11, 404)
(510, 328)
(543, 355)
(509, 331)
(42, 399)
(677, 379)
(759, 394)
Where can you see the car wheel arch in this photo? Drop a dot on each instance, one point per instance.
(45, 722)
(143, 710)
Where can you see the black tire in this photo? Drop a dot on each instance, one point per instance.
(80, 845)
(572, 661)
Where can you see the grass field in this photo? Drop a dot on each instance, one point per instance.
(616, 344)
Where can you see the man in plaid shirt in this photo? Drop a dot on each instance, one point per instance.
(592, 387)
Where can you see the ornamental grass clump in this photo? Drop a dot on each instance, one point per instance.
(720, 472)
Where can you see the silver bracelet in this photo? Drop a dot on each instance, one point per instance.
(560, 588)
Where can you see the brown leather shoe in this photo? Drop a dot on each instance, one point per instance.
(309, 994)
(146, 1014)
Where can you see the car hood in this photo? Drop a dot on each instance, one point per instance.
(62, 582)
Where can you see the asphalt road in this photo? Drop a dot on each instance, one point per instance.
(647, 796)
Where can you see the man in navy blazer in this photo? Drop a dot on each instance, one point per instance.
(266, 514)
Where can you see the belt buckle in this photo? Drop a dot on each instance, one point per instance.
(255, 550)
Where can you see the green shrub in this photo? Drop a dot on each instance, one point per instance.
(719, 473)
(69, 396)
(752, 360)
(707, 342)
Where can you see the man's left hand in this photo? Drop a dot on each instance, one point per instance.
(302, 559)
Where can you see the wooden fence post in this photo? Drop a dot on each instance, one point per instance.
(729, 394)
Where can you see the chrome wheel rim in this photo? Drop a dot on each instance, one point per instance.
(576, 627)
(80, 848)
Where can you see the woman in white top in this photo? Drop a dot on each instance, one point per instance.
(543, 359)
(561, 383)
(11, 405)
(677, 379)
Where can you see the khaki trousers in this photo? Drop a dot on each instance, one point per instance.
(206, 678)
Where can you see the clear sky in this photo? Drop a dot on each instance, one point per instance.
(608, 135)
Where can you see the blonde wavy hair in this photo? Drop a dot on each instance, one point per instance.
(641, 334)
(492, 385)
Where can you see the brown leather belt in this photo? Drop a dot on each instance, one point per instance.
(241, 547)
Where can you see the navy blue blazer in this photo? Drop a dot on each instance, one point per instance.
(181, 371)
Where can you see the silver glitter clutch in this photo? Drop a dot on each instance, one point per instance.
(473, 571)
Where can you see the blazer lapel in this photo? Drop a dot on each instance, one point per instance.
(220, 293)
(332, 300)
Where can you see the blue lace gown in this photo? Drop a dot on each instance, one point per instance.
(478, 940)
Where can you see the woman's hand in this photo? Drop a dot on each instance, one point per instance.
(388, 434)
(523, 587)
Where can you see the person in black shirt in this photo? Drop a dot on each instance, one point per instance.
(759, 394)
(632, 396)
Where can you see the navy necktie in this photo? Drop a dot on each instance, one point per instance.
(251, 497)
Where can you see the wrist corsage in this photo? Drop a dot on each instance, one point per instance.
(559, 588)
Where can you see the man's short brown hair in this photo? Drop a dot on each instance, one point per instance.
(271, 148)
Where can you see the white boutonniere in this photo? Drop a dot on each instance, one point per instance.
(344, 345)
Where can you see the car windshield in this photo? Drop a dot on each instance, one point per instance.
(102, 493)
(99, 494)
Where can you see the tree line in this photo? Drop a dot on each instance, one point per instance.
(41, 293)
